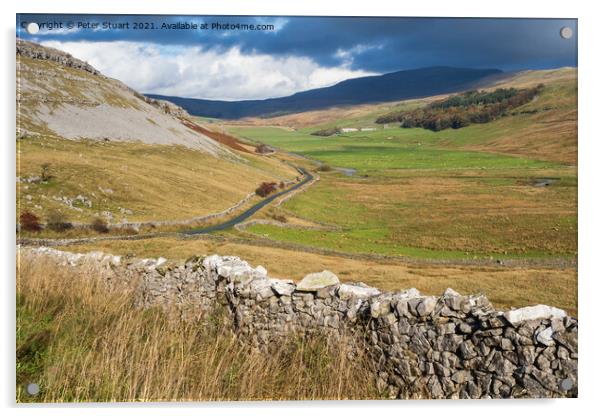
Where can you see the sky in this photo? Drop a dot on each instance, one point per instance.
(292, 54)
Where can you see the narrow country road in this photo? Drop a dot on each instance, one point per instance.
(252, 210)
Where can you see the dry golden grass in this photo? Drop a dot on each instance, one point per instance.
(155, 182)
(505, 286)
(531, 78)
(552, 136)
(469, 212)
(549, 134)
(83, 342)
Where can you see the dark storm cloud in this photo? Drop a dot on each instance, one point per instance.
(370, 44)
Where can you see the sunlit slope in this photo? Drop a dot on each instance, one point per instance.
(134, 181)
(544, 129)
(88, 146)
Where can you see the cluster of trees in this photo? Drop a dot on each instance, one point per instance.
(464, 109)
(266, 188)
(329, 131)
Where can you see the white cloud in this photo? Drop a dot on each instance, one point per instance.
(348, 55)
(205, 73)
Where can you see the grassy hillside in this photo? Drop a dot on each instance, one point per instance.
(545, 129)
(134, 181)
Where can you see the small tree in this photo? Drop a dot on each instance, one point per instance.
(29, 222)
(45, 174)
(265, 189)
(100, 226)
(57, 221)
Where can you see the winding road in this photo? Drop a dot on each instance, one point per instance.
(251, 210)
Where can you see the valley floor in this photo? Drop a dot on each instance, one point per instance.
(487, 208)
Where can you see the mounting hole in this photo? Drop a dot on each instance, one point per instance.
(32, 28)
(32, 389)
(566, 32)
(566, 384)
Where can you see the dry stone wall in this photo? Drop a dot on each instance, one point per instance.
(448, 346)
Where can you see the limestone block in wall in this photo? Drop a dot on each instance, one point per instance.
(283, 287)
(315, 281)
(349, 291)
(516, 316)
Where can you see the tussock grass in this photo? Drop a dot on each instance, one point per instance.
(81, 341)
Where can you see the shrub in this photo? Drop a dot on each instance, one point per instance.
(265, 189)
(29, 221)
(329, 131)
(45, 174)
(57, 221)
(100, 226)
(263, 149)
(325, 168)
(279, 218)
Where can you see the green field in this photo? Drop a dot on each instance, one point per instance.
(393, 148)
(453, 194)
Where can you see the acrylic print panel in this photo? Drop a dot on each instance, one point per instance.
(273, 208)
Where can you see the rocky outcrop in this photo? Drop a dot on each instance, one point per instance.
(448, 346)
(168, 107)
(35, 51)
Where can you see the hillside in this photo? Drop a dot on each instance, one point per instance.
(398, 85)
(90, 147)
(545, 128)
(62, 96)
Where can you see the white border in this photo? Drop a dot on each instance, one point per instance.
(590, 208)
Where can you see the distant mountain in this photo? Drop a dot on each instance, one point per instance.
(394, 86)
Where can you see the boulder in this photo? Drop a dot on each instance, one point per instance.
(314, 281)
(450, 292)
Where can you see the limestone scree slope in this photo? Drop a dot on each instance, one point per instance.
(60, 95)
